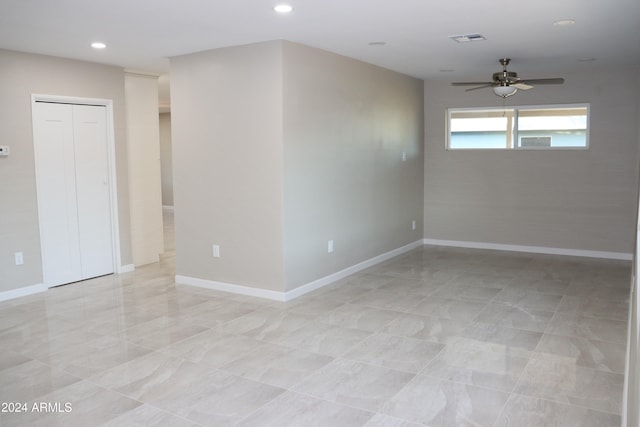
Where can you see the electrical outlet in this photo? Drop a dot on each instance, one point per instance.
(19, 257)
(404, 156)
(216, 251)
(330, 246)
(413, 225)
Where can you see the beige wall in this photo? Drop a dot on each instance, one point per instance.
(166, 167)
(631, 409)
(559, 199)
(277, 149)
(143, 143)
(21, 75)
(227, 164)
(346, 124)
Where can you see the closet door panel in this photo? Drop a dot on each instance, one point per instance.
(92, 184)
(57, 199)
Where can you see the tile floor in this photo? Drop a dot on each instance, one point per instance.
(436, 337)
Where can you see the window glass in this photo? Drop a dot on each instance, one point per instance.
(519, 128)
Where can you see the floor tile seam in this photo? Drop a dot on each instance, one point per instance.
(128, 362)
(395, 417)
(151, 401)
(293, 389)
(547, 332)
(484, 387)
(379, 411)
(142, 403)
(595, 317)
(380, 329)
(95, 384)
(65, 369)
(592, 298)
(149, 345)
(575, 317)
(500, 323)
(371, 365)
(587, 339)
(76, 377)
(564, 398)
(29, 359)
(335, 356)
(502, 410)
(290, 387)
(548, 399)
(539, 355)
(505, 327)
(378, 307)
(344, 357)
(246, 417)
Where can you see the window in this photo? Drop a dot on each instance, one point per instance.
(562, 126)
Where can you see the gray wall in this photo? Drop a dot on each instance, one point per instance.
(21, 75)
(166, 166)
(227, 164)
(277, 149)
(560, 199)
(346, 124)
(631, 414)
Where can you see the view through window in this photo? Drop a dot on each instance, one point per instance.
(564, 126)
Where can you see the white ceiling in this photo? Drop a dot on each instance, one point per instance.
(143, 34)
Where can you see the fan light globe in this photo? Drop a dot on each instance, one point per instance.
(504, 91)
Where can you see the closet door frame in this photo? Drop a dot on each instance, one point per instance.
(111, 159)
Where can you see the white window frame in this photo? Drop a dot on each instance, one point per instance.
(514, 136)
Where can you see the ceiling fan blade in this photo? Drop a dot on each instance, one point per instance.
(522, 86)
(471, 83)
(479, 87)
(557, 81)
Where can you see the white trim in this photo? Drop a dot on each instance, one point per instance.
(128, 268)
(520, 107)
(230, 287)
(111, 158)
(317, 284)
(168, 208)
(141, 73)
(300, 290)
(531, 249)
(22, 292)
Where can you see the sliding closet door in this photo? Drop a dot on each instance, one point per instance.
(73, 191)
(92, 189)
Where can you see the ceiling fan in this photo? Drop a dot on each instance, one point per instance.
(506, 83)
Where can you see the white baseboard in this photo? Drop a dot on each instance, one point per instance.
(128, 268)
(300, 290)
(324, 281)
(531, 249)
(230, 287)
(35, 289)
(22, 292)
(168, 208)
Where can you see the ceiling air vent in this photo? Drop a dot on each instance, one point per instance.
(468, 38)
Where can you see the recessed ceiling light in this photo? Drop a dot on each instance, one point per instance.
(564, 22)
(377, 43)
(98, 45)
(283, 8)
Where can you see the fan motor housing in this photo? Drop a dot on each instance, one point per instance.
(505, 77)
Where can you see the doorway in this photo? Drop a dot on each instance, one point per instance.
(75, 179)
